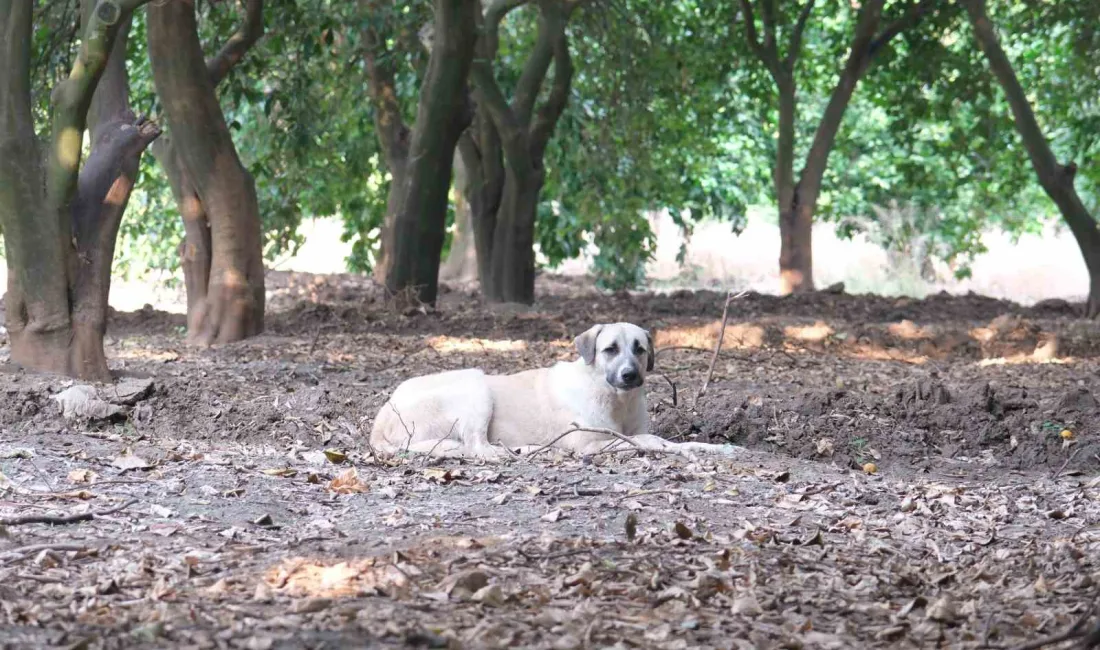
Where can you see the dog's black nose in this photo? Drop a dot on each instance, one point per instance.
(629, 375)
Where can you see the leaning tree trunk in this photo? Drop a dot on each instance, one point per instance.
(232, 307)
(60, 221)
(1056, 179)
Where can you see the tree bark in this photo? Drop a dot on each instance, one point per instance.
(797, 199)
(233, 305)
(518, 133)
(442, 116)
(1056, 178)
(461, 263)
(60, 242)
(389, 125)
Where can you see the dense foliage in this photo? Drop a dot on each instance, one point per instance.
(668, 111)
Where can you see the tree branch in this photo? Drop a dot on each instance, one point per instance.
(794, 46)
(550, 24)
(766, 56)
(15, 87)
(767, 14)
(1042, 157)
(551, 111)
(494, 15)
(72, 98)
(490, 98)
(250, 31)
(393, 133)
(909, 20)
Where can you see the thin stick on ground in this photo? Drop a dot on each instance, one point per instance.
(730, 297)
(64, 519)
(574, 427)
(1077, 630)
(23, 551)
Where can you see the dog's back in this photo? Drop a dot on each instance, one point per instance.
(453, 405)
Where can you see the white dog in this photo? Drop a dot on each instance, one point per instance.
(467, 413)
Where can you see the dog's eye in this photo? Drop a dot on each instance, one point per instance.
(611, 349)
(638, 349)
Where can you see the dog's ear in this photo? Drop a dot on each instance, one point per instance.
(651, 354)
(586, 344)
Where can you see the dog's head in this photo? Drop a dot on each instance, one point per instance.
(623, 351)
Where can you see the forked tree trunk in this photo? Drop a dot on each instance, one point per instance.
(515, 132)
(1056, 179)
(797, 199)
(232, 306)
(60, 242)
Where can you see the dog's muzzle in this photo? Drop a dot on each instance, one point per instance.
(627, 378)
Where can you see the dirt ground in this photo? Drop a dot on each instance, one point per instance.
(229, 499)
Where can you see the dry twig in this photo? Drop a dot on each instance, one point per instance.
(1075, 631)
(64, 519)
(730, 297)
(574, 427)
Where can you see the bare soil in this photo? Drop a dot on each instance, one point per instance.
(912, 474)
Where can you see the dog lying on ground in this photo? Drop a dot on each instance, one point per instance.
(467, 413)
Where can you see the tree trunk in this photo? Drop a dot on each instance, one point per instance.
(389, 125)
(195, 249)
(512, 267)
(60, 243)
(442, 116)
(516, 132)
(1056, 179)
(798, 199)
(233, 306)
(795, 220)
(461, 263)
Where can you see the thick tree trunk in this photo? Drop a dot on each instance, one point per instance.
(461, 263)
(196, 249)
(512, 268)
(60, 243)
(1056, 179)
(233, 307)
(442, 116)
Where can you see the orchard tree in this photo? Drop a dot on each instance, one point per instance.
(222, 252)
(503, 154)
(797, 195)
(420, 158)
(60, 218)
(1057, 179)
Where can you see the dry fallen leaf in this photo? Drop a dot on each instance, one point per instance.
(631, 526)
(127, 461)
(552, 516)
(682, 531)
(82, 476)
(347, 482)
(335, 456)
(282, 472)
